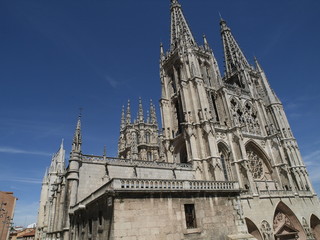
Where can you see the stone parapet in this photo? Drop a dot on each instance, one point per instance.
(137, 163)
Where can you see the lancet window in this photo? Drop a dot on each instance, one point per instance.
(225, 161)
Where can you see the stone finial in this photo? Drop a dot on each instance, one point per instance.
(140, 117)
(128, 116)
(123, 119)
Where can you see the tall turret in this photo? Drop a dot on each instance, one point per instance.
(74, 164)
(190, 78)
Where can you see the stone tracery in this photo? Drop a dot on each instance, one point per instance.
(255, 165)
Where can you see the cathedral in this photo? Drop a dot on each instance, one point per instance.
(224, 163)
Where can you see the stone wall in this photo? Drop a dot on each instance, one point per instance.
(92, 176)
(163, 218)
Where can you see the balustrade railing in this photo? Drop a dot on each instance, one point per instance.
(161, 185)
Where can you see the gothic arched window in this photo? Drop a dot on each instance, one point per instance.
(258, 163)
(224, 154)
(147, 137)
(224, 168)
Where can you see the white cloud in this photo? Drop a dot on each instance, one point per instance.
(312, 161)
(21, 151)
(20, 179)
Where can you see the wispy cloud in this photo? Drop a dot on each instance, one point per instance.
(113, 83)
(22, 151)
(20, 179)
(315, 155)
(312, 161)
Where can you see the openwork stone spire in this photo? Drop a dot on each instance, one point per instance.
(180, 31)
(234, 57)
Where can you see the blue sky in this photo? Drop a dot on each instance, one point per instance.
(58, 56)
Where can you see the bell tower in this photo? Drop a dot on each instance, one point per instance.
(189, 78)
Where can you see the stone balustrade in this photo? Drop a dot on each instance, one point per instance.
(173, 185)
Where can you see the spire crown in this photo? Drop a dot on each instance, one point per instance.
(180, 31)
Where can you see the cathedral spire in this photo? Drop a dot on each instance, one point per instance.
(140, 111)
(128, 116)
(180, 31)
(77, 139)
(233, 56)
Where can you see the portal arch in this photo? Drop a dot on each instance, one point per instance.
(315, 226)
(286, 225)
(253, 229)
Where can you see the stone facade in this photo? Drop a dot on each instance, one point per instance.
(225, 164)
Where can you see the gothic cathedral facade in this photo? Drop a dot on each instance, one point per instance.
(225, 164)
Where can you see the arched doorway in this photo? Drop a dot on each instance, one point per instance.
(253, 230)
(315, 226)
(286, 225)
